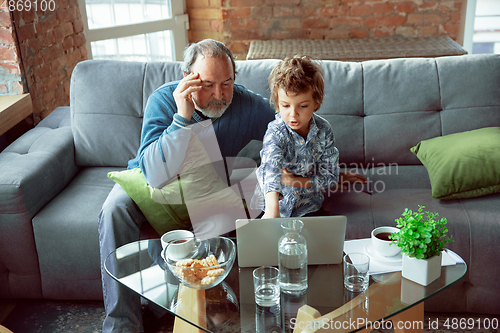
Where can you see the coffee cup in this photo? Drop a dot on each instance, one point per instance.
(180, 243)
(382, 243)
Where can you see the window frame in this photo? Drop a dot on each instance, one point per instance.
(468, 25)
(178, 24)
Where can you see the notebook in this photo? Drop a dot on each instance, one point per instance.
(257, 240)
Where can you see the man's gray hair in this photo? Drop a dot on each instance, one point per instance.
(205, 48)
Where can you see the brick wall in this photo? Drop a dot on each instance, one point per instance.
(51, 43)
(10, 63)
(237, 22)
(205, 19)
(39, 47)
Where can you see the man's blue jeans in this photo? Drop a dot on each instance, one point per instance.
(120, 221)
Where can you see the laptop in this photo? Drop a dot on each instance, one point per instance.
(257, 240)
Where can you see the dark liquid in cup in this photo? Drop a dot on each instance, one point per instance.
(179, 241)
(384, 236)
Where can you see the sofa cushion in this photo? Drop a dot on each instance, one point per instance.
(343, 108)
(67, 238)
(468, 87)
(468, 82)
(386, 86)
(392, 177)
(462, 165)
(107, 101)
(254, 75)
(397, 117)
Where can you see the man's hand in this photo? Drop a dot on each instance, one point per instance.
(182, 94)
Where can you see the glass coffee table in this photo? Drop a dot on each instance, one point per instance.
(389, 302)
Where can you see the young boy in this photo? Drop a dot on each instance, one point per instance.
(299, 158)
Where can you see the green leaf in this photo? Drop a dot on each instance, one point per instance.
(421, 233)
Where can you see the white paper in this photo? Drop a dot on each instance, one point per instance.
(378, 266)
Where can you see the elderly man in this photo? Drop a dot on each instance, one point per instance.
(207, 103)
(207, 95)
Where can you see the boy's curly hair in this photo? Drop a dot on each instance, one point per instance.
(297, 75)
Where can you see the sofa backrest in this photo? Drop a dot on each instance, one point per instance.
(107, 99)
(378, 109)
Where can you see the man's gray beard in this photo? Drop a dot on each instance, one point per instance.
(210, 113)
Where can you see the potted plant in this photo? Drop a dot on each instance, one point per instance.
(422, 237)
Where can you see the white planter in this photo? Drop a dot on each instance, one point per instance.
(422, 271)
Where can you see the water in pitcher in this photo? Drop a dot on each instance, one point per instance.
(293, 267)
(292, 249)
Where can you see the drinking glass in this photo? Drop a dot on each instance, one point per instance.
(356, 267)
(266, 285)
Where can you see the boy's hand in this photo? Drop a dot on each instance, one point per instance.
(270, 216)
(272, 205)
(182, 94)
(289, 179)
(349, 177)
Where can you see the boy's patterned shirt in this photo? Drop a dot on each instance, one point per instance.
(315, 157)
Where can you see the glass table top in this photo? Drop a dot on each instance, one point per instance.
(230, 306)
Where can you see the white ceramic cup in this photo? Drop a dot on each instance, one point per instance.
(383, 246)
(180, 243)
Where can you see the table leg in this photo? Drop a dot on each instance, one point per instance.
(305, 314)
(409, 321)
(309, 319)
(191, 306)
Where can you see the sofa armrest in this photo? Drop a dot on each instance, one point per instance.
(34, 169)
(37, 166)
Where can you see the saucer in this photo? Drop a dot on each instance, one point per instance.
(192, 256)
(372, 253)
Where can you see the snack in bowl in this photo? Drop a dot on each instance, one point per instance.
(204, 276)
(206, 266)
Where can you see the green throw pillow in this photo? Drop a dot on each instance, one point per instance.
(462, 165)
(196, 182)
(162, 217)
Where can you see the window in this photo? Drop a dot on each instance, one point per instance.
(482, 27)
(135, 30)
(486, 38)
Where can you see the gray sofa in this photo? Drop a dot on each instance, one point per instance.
(53, 180)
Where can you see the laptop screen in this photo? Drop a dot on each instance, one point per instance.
(257, 240)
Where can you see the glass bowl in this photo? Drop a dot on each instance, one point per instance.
(202, 264)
